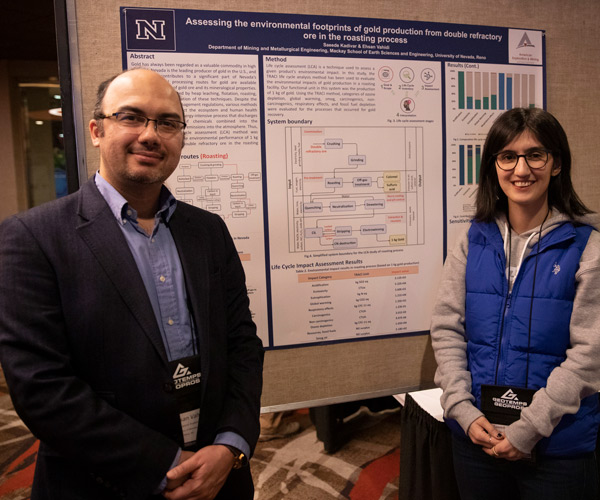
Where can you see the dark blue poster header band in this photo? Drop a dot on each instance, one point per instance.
(282, 34)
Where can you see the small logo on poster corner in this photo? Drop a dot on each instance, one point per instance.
(525, 42)
(150, 29)
(525, 47)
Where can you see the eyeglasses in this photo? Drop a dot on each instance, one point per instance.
(535, 159)
(164, 127)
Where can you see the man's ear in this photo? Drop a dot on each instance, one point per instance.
(95, 132)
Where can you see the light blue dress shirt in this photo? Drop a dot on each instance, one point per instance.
(160, 268)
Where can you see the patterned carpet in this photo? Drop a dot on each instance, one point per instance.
(294, 468)
(297, 468)
(18, 449)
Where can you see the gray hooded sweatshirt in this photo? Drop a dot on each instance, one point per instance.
(574, 379)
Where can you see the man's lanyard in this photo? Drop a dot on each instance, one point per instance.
(187, 378)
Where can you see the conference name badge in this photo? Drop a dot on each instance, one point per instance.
(187, 378)
(502, 405)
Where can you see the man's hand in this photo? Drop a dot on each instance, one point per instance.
(179, 480)
(200, 475)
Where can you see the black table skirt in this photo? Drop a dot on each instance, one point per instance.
(426, 466)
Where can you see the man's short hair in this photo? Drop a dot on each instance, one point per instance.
(101, 92)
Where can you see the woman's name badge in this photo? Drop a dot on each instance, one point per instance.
(186, 381)
(502, 405)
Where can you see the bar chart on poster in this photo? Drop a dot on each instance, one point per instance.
(502, 91)
(469, 161)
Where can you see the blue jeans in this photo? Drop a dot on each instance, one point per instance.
(481, 477)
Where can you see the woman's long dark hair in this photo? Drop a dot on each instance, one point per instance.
(491, 200)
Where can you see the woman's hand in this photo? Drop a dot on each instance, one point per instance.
(504, 450)
(484, 434)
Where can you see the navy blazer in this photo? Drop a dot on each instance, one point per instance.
(83, 354)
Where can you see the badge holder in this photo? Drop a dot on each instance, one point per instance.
(502, 405)
(186, 381)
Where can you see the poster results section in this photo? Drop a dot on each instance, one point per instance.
(476, 94)
(220, 168)
(352, 247)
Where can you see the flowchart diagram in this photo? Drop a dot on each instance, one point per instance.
(219, 187)
(354, 187)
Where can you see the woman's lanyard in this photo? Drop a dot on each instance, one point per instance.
(532, 286)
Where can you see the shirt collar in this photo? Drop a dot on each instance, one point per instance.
(120, 207)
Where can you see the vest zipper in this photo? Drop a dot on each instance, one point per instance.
(501, 341)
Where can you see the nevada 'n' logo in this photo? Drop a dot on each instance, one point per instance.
(150, 29)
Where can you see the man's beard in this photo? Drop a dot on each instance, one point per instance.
(152, 177)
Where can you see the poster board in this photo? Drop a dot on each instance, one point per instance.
(293, 377)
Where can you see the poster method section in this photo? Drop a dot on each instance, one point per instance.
(220, 169)
(352, 246)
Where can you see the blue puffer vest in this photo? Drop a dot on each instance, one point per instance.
(497, 323)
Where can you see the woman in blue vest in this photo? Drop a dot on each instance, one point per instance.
(516, 328)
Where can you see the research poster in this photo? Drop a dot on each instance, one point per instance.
(342, 153)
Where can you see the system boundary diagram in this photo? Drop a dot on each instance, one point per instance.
(354, 187)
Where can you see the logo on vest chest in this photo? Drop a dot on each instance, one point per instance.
(556, 269)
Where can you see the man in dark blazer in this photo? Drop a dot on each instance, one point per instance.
(124, 407)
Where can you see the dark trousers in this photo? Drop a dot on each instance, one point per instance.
(51, 482)
(481, 476)
(239, 486)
